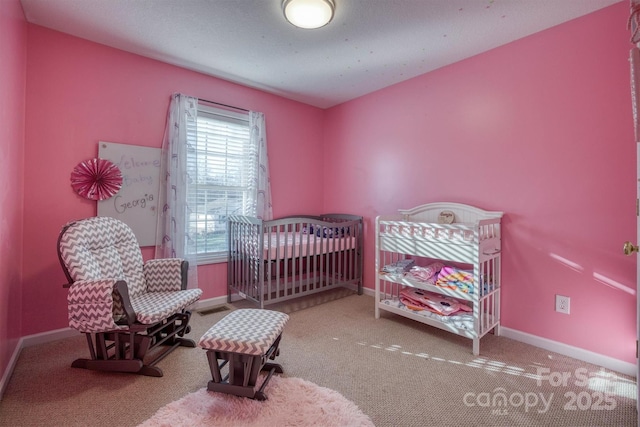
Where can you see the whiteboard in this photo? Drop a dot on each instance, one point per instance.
(136, 204)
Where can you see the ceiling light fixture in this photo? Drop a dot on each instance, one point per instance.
(308, 13)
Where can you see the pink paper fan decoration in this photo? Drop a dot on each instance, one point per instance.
(96, 179)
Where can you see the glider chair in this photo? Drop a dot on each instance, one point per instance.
(132, 313)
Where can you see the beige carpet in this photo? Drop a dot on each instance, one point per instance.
(398, 372)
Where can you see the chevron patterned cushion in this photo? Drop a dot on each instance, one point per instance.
(163, 275)
(152, 307)
(90, 306)
(245, 331)
(100, 247)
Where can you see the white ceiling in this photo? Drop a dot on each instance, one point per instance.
(370, 44)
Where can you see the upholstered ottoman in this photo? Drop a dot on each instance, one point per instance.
(245, 339)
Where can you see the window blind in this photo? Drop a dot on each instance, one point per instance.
(221, 157)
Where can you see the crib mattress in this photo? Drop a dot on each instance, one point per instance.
(293, 245)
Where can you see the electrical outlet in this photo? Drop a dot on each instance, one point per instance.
(562, 304)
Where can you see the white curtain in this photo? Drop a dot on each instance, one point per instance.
(172, 240)
(262, 184)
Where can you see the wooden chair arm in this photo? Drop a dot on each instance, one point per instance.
(123, 291)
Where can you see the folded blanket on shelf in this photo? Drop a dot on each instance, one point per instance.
(399, 267)
(418, 300)
(455, 278)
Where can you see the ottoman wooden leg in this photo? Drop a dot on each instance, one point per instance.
(243, 372)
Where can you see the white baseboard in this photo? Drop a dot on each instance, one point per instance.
(215, 302)
(620, 366)
(28, 341)
(45, 337)
(4, 381)
(210, 303)
(369, 292)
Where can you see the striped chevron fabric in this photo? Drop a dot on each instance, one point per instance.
(103, 247)
(98, 252)
(90, 306)
(245, 331)
(153, 307)
(163, 275)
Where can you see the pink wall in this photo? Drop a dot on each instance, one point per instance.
(540, 129)
(79, 93)
(13, 58)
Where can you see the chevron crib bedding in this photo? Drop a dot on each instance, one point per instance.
(281, 259)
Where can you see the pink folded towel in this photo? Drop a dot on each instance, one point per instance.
(449, 276)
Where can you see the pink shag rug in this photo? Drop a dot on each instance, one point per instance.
(290, 402)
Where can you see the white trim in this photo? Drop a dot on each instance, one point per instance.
(367, 291)
(210, 303)
(620, 366)
(212, 257)
(10, 367)
(28, 341)
(215, 302)
(45, 337)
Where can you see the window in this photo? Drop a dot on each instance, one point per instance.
(223, 160)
